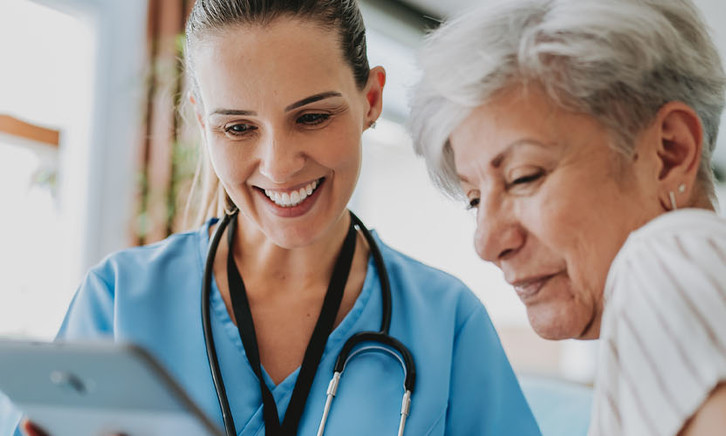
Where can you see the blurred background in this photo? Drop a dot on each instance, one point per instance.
(95, 157)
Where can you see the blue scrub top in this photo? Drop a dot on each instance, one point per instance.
(464, 386)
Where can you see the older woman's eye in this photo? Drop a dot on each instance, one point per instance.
(313, 119)
(473, 203)
(529, 178)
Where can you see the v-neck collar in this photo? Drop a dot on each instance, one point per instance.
(335, 340)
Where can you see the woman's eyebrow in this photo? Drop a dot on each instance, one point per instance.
(297, 104)
(312, 99)
(463, 178)
(501, 157)
(233, 112)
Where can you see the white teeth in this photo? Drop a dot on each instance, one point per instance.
(293, 198)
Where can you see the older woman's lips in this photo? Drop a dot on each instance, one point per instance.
(528, 288)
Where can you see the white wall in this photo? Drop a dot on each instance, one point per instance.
(76, 66)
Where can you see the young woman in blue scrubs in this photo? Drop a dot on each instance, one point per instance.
(282, 92)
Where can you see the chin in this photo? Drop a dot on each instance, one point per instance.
(557, 323)
(291, 239)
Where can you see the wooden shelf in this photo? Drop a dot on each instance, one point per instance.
(15, 127)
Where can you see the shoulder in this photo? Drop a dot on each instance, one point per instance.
(674, 266)
(426, 285)
(663, 321)
(177, 253)
(685, 249)
(689, 223)
(132, 284)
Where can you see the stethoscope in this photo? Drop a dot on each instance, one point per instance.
(362, 342)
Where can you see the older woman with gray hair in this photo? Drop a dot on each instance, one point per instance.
(581, 132)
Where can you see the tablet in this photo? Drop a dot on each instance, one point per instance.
(97, 388)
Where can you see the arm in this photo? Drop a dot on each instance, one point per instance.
(485, 397)
(710, 418)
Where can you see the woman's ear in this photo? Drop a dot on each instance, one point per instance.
(374, 94)
(680, 141)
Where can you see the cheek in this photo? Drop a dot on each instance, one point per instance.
(228, 161)
(339, 150)
(571, 222)
(586, 228)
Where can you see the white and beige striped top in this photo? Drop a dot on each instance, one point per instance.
(663, 335)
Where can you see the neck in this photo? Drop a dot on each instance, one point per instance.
(701, 200)
(260, 259)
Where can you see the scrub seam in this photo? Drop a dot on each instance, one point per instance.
(436, 422)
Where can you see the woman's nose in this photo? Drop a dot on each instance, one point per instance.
(280, 159)
(498, 234)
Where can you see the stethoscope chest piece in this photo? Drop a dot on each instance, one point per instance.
(369, 342)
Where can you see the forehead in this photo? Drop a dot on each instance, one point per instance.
(286, 59)
(506, 117)
(520, 116)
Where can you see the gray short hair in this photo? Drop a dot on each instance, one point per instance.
(618, 61)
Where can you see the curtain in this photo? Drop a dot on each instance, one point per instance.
(168, 152)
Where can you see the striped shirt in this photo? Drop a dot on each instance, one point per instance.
(663, 334)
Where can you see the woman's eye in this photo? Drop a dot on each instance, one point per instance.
(473, 203)
(313, 119)
(523, 180)
(238, 129)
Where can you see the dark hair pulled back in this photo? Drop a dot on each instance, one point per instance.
(213, 16)
(343, 15)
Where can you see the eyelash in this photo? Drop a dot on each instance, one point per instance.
(474, 202)
(313, 119)
(527, 179)
(231, 129)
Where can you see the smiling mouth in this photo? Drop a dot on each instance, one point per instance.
(529, 288)
(292, 198)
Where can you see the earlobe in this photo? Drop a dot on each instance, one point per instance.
(679, 153)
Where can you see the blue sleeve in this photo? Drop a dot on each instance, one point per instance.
(90, 315)
(488, 402)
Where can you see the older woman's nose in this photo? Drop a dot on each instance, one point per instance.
(498, 235)
(280, 159)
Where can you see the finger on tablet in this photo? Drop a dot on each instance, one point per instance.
(31, 429)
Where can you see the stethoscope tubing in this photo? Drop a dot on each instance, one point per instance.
(392, 345)
(220, 390)
(386, 305)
